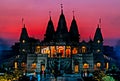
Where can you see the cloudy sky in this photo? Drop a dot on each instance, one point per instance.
(36, 16)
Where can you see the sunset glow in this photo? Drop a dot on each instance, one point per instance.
(36, 16)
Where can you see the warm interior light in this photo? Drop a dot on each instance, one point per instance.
(76, 68)
(85, 66)
(98, 64)
(83, 49)
(74, 51)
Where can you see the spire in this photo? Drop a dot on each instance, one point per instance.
(50, 14)
(98, 34)
(23, 22)
(62, 31)
(73, 14)
(61, 8)
(24, 34)
(74, 33)
(62, 27)
(99, 22)
(50, 30)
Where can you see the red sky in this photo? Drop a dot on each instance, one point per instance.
(36, 16)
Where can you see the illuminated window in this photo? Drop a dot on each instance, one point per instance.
(98, 41)
(76, 69)
(68, 47)
(43, 67)
(86, 66)
(98, 50)
(68, 52)
(34, 66)
(16, 64)
(23, 50)
(23, 41)
(53, 51)
(23, 64)
(74, 51)
(98, 64)
(95, 67)
(37, 50)
(61, 50)
(107, 65)
(83, 49)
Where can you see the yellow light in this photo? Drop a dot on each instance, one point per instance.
(98, 41)
(23, 41)
(15, 65)
(37, 49)
(34, 65)
(107, 65)
(98, 64)
(83, 49)
(85, 66)
(76, 69)
(43, 67)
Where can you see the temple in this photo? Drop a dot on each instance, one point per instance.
(61, 48)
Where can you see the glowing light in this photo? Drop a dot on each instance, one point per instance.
(83, 49)
(16, 65)
(98, 41)
(34, 66)
(98, 50)
(37, 49)
(23, 41)
(85, 66)
(98, 64)
(107, 65)
(76, 68)
(74, 51)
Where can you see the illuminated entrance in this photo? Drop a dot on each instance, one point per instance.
(60, 50)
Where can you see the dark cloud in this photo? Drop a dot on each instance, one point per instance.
(3, 44)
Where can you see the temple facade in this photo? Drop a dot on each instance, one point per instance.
(60, 50)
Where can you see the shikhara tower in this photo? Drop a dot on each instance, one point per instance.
(62, 45)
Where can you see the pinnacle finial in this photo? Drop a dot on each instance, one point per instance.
(50, 14)
(99, 22)
(61, 8)
(73, 14)
(23, 22)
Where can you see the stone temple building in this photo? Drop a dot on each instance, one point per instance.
(61, 48)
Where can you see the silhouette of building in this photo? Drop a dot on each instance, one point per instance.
(61, 46)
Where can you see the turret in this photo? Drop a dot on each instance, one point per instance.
(49, 35)
(24, 35)
(62, 31)
(74, 33)
(98, 35)
(98, 48)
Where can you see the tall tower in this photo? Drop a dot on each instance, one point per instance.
(98, 48)
(74, 33)
(24, 35)
(49, 35)
(24, 39)
(62, 31)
